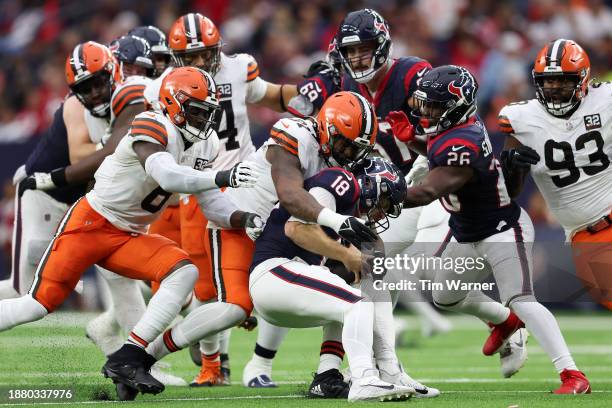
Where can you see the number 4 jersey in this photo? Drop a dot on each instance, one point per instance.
(574, 173)
(124, 193)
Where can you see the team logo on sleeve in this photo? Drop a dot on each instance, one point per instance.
(592, 121)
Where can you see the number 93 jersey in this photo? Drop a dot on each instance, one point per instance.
(574, 173)
(124, 193)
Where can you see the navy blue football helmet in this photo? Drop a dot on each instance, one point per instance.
(162, 55)
(445, 97)
(382, 191)
(365, 27)
(132, 50)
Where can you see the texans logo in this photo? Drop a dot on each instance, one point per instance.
(381, 27)
(388, 175)
(458, 92)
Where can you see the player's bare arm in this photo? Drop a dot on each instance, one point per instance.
(79, 143)
(312, 238)
(84, 170)
(439, 182)
(278, 96)
(289, 183)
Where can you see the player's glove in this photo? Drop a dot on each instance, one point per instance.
(43, 181)
(356, 232)
(403, 130)
(519, 159)
(253, 225)
(324, 69)
(249, 324)
(420, 169)
(243, 174)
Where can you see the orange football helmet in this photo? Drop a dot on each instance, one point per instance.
(92, 73)
(566, 62)
(188, 97)
(347, 128)
(192, 36)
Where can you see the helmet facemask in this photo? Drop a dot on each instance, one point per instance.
(345, 152)
(437, 116)
(200, 118)
(94, 92)
(559, 92)
(211, 57)
(362, 60)
(377, 204)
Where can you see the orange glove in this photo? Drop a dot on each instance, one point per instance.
(402, 128)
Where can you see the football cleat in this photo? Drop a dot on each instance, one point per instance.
(373, 388)
(225, 371)
(130, 365)
(398, 376)
(573, 382)
(328, 384)
(513, 353)
(500, 333)
(210, 375)
(125, 393)
(257, 374)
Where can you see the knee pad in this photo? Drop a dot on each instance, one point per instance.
(184, 276)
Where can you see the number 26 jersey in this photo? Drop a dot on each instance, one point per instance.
(574, 173)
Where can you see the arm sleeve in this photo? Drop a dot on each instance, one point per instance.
(217, 207)
(175, 178)
(324, 197)
(256, 90)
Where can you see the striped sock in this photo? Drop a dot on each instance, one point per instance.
(137, 341)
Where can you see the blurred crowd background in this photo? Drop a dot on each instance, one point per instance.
(496, 40)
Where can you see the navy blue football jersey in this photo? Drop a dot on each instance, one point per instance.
(392, 95)
(51, 153)
(317, 88)
(482, 207)
(273, 243)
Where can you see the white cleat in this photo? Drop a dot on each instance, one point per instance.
(166, 378)
(373, 388)
(513, 353)
(103, 332)
(258, 374)
(403, 379)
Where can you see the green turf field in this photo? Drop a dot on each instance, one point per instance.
(55, 354)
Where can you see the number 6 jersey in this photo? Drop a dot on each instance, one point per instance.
(124, 193)
(574, 173)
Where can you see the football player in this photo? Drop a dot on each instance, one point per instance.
(485, 222)
(564, 136)
(343, 133)
(362, 48)
(44, 195)
(108, 226)
(195, 41)
(291, 288)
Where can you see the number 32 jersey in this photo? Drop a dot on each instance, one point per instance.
(574, 173)
(124, 193)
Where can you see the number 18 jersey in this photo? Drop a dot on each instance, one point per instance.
(574, 173)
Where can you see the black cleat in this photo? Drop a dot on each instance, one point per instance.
(130, 365)
(328, 384)
(125, 393)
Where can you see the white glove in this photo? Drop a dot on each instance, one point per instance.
(254, 226)
(243, 174)
(420, 169)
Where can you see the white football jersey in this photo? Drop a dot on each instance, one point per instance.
(96, 127)
(574, 173)
(298, 137)
(124, 193)
(238, 83)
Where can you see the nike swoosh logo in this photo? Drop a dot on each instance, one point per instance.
(455, 148)
(384, 387)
